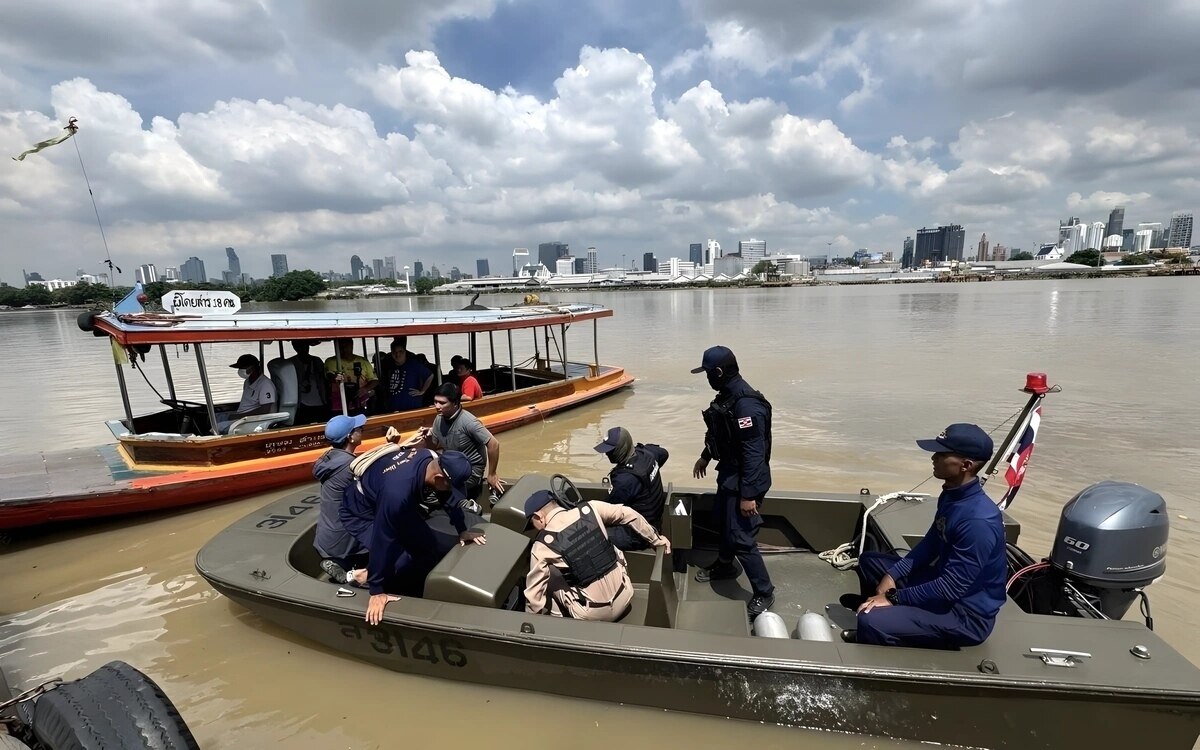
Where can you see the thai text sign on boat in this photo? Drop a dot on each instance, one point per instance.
(207, 302)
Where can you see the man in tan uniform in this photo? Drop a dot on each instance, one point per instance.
(574, 570)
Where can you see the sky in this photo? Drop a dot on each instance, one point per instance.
(450, 130)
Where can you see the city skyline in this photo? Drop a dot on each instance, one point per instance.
(411, 131)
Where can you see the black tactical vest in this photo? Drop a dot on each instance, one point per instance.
(584, 547)
(649, 501)
(723, 439)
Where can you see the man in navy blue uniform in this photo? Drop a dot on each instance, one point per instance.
(383, 510)
(946, 592)
(636, 482)
(738, 435)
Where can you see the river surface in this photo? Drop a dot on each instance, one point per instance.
(855, 375)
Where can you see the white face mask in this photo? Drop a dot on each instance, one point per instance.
(243, 373)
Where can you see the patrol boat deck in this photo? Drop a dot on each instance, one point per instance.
(688, 647)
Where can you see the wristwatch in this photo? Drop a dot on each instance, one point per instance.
(890, 595)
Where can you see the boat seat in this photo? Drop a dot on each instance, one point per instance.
(482, 576)
(257, 423)
(723, 617)
(510, 511)
(287, 386)
(638, 607)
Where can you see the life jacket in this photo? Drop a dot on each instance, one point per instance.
(584, 548)
(649, 501)
(724, 438)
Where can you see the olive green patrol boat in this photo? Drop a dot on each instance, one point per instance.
(1040, 680)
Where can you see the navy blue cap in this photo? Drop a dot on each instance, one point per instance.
(457, 468)
(537, 501)
(967, 440)
(716, 356)
(611, 441)
(338, 429)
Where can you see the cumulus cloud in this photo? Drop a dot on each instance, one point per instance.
(1102, 200)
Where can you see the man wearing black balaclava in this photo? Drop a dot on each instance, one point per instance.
(635, 481)
(738, 435)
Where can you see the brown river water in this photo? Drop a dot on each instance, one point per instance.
(855, 375)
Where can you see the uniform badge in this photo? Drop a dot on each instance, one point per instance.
(745, 422)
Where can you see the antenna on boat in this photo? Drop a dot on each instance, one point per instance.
(108, 261)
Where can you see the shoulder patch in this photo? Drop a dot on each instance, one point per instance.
(745, 422)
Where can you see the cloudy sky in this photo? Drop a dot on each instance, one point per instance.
(449, 130)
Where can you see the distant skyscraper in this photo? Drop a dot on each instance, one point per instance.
(520, 259)
(906, 253)
(377, 268)
(580, 265)
(481, 268)
(1181, 230)
(1116, 221)
(1072, 237)
(936, 245)
(389, 267)
(713, 252)
(418, 269)
(1064, 229)
(235, 265)
(146, 274)
(1095, 236)
(999, 253)
(356, 268)
(455, 274)
(696, 253)
(434, 272)
(649, 263)
(1127, 240)
(550, 252)
(1157, 236)
(279, 266)
(593, 261)
(981, 250)
(171, 273)
(752, 251)
(1142, 240)
(193, 271)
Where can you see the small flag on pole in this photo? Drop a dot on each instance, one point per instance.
(1022, 450)
(70, 128)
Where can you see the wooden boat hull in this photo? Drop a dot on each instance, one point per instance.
(263, 462)
(931, 696)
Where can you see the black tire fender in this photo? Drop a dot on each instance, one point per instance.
(114, 707)
(86, 321)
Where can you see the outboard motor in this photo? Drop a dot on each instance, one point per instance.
(1111, 542)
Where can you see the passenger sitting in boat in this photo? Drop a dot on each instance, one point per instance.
(351, 373)
(574, 570)
(258, 393)
(459, 430)
(467, 382)
(635, 481)
(313, 404)
(452, 376)
(403, 546)
(945, 593)
(343, 555)
(407, 381)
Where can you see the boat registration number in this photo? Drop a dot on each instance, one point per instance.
(390, 642)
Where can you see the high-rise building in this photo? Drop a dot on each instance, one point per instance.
(938, 245)
(752, 251)
(1157, 236)
(714, 252)
(1064, 229)
(377, 267)
(235, 265)
(1116, 221)
(434, 272)
(696, 253)
(356, 268)
(593, 261)
(981, 250)
(481, 268)
(146, 274)
(1181, 230)
(455, 274)
(389, 267)
(1072, 237)
(171, 273)
(1142, 239)
(550, 252)
(649, 263)
(564, 266)
(1127, 240)
(999, 253)
(906, 253)
(193, 271)
(279, 266)
(581, 265)
(1095, 236)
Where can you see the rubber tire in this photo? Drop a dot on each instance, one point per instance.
(86, 321)
(114, 707)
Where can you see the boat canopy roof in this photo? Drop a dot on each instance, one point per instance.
(160, 328)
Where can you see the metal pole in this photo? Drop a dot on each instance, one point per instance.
(596, 343)
(167, 370)
(1017, 428)
(281, 348)
(512, 363)
(262, 355)
(208, 399)
(546, 333)
(492, 345)
(564, 350)
(537, 355)
(337, 355)
(125, 398)
(437, 358)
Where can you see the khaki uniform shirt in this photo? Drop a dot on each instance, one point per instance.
(606, 599)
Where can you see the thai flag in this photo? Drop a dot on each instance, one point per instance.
(1022, 450)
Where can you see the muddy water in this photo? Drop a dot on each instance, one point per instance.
(855, 375)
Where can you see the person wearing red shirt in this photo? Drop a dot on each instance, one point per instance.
(467, 381)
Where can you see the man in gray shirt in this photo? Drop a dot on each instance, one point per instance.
(457, 430)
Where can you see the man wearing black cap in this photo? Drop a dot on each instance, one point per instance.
(382, 509)
(574, 570)
(258, 393)
(738, 435)
(945, 593)
(634, 481)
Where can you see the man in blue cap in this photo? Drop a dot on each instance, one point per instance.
(738, 435)
(383, 510)
(945, 593)
(635, 481)
(574, 570)
(336, 545)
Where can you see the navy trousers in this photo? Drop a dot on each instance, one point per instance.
(912, 626)
(738, 539)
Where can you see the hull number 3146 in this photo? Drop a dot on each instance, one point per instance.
(446, 651)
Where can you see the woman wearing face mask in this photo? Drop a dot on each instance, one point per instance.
(258, 393)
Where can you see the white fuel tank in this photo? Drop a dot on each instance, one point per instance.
(814, 627)
(770, 625)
